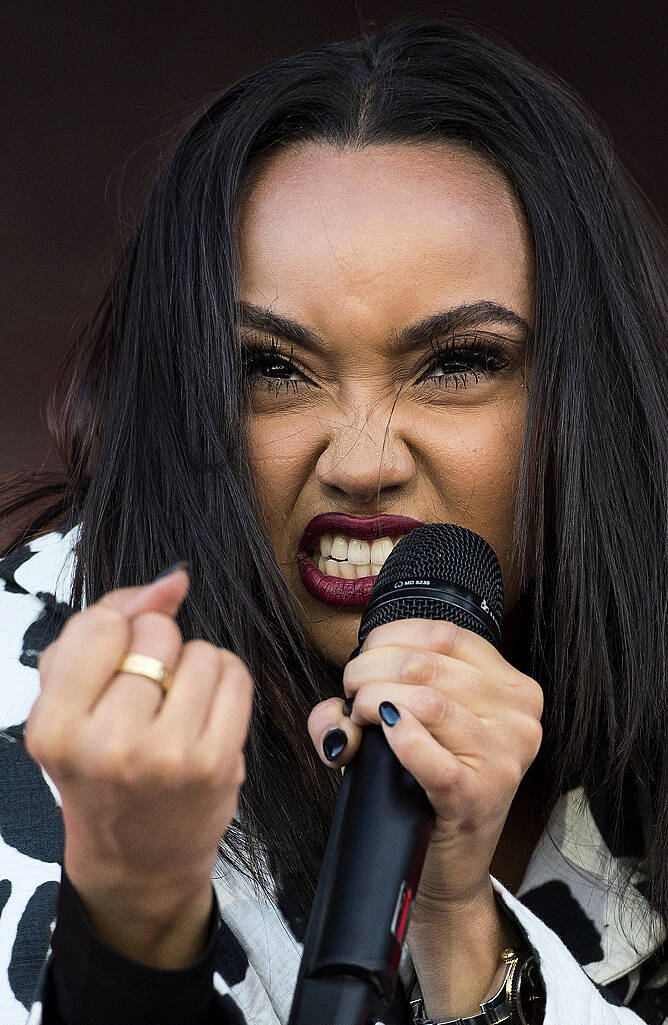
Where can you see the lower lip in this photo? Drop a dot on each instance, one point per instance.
(334, 590)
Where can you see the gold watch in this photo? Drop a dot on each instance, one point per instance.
(519, 1001)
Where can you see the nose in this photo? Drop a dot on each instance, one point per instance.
(366, 459)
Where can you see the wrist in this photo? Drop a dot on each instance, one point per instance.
(456, 951)
(518, 998)
(161, 927)
(432, 912)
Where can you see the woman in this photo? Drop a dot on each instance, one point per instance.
(391, 281)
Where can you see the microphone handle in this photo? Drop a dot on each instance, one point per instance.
(371, 869)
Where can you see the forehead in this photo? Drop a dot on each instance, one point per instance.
(412, 213)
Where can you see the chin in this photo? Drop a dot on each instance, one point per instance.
(334, 634)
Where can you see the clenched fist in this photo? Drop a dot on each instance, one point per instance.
(149, 782)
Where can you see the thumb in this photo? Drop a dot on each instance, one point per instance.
(335, 736)
(164, 594)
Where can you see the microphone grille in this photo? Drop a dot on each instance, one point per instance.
(443, 552)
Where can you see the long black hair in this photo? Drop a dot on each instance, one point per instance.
(151, 413)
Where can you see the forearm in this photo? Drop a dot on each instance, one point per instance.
(456, 952)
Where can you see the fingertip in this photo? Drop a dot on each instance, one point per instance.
(339, 745)
(184, 565)
(394, 718)
(334, 743)
(166, 592)
(389, 713)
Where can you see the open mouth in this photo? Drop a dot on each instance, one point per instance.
(340, 556)
(351, 558)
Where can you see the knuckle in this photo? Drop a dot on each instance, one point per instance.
(104, 619)
(229, 771)
(210, 768)
(538, 699)
(205, 765)
(534, 736)
(352, 676)
(415, 666)
(449, 775)
(513, 771)
(158, 624)
(230, 660)
(531, 695)
(435, 706)
(72, 624)
(31, 737)
(48, 740)
(237, 675)
(114, 761)
(172, 763)
(376, 636)
(105, 623)
(232, 667)
(203, 653)
(364, 708)
(444, 634)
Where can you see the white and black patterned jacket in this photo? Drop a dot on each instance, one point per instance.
(603, 960)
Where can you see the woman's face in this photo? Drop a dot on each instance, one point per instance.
(358, 414)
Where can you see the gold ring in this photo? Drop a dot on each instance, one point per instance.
(144, 665)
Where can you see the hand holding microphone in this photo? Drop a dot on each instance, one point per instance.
(468, 729)
(148, 777)
(464, 723)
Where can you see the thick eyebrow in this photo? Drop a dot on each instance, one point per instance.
(423, 332)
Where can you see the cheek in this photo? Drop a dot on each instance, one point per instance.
(478, 459)
(495, 450)
(280, 459)
(486, 443)
(480, 464)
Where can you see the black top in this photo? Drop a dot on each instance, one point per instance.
(91, 983)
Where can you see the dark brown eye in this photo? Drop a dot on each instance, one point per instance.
(270, 366)
(266, 367)
(460, 365)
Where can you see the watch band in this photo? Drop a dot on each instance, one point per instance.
(519, 1000)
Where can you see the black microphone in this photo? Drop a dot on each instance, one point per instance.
(382, 820)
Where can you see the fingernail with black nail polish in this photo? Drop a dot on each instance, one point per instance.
(334, 743)
(171, 569)
(348, 705)
(389, 713)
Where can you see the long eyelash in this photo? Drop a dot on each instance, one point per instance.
(479, 351)
(252, 349)
(487, 358)
(256, 352)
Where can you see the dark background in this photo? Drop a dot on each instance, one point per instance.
(95, 92)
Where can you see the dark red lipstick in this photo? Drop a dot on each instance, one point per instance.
(337, 590)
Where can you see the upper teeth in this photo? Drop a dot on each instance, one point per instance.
(340, 556)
